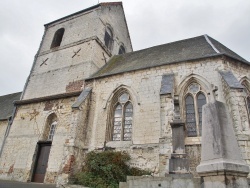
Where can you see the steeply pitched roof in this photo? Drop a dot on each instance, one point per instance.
(7, 106)
(184, 50)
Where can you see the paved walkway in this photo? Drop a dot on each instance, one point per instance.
(14, 184)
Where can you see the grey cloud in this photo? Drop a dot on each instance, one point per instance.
(150, 23)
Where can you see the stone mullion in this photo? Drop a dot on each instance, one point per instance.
(196, 115)
(122, 123)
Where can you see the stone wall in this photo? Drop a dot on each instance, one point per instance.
(81, 53)
(62, 72)
(152, 113)
(19, 153)
(3, 127)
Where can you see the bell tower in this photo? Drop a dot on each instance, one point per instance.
(76, 46)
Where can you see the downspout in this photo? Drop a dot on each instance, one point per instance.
(10, 121)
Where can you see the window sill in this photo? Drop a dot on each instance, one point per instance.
(193, 141)
(119, 144)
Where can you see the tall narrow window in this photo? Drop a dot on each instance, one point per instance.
(108, 38)
(52, 130)
(121, 50)
(122, 120)
(247, 90)
(57, 38)
(201, 100)
(117, 123)
(194, 101)
(248, 103)
(190, 116)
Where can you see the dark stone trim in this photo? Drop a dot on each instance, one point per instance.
(231, 80)
(85, 93)
(167, 84)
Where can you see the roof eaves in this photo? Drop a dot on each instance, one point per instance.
(245, 62)
(191, 59)
(110, 3)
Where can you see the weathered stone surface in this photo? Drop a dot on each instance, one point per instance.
(220, 151)
(173, 181)
(221, 161)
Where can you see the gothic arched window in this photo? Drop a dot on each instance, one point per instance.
(57, 38)
(108, 38)
(194, 101)
(122, 118)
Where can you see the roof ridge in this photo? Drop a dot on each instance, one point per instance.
(169, 43)
(211, 44)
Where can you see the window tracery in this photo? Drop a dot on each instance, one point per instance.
(194, 100)
(247, 90)
(122, 118)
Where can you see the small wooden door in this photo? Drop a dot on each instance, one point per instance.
(41, 162)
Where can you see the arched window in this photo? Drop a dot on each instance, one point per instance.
(122, 50)
(50, 127)
(194, 101)
(122, 118)
(108, 38)
(57, 38)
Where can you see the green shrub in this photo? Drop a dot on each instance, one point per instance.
(106, 169)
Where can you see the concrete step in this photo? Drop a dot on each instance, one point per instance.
(15, 184)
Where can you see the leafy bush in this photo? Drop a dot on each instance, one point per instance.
(106, 169)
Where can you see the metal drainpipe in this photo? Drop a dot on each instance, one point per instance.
(10, 121)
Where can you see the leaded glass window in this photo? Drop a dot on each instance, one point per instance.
(123, 117)
(194, 101)
(201, 100)
(190, 116)
(52, 130)
(248, 103)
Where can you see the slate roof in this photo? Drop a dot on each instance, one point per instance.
(7, 106)
(184, 50)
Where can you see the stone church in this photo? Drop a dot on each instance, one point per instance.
(87, 90)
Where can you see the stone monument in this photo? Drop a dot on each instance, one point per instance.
(221, 161)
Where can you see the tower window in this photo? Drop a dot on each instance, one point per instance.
(108, 38)
(57, 38)
(121, 50)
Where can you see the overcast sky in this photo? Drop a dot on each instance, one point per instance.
(150, 23)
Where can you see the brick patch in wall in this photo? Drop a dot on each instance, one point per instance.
(74, 86)
(11, 169)
(48, 105)
(68, 165)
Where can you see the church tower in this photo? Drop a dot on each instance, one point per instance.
(76, 46)
(45, 143)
